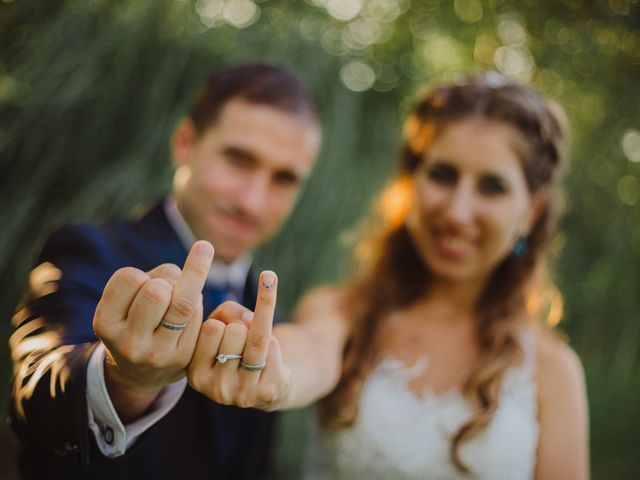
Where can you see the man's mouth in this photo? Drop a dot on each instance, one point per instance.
(239, 221)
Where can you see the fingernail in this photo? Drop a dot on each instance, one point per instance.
(268, 279)
(205, 248)
(247, 316)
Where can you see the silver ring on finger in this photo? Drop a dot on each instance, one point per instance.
(253, 367)
(224, 357)
(173, 326)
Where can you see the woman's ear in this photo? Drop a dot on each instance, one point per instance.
(183, 142)
(538, 203)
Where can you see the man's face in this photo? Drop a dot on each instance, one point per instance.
(238, 180)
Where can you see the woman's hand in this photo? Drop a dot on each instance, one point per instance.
(237, 361)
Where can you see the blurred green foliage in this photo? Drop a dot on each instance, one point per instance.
(91, 90)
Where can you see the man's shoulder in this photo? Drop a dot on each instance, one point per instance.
(78, 233)
(109, 244)
(83, 239)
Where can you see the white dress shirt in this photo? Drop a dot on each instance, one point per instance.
(112, 436)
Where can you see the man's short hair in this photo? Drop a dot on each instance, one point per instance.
(258, 83)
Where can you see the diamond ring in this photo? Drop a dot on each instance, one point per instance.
(224, 357)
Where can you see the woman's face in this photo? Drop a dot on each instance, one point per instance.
(471, 200)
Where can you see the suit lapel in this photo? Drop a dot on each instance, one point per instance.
(158, 240)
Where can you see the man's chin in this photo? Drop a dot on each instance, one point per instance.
(230, 251)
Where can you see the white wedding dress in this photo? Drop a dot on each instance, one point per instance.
(399, 435)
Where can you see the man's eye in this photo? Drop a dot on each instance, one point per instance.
(442, 174)
(286, 179)
(493, 186)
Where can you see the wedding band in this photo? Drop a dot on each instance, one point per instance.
(173, 326)
(223, 357)
(253, 367)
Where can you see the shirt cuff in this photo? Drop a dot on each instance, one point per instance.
(112, 436)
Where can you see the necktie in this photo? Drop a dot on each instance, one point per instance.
(214, 296)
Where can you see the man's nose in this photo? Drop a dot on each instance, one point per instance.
(254, 195)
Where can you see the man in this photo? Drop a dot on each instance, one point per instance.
(115, 403)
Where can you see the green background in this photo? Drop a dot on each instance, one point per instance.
(91, 90)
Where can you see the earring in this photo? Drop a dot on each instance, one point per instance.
(520, 246)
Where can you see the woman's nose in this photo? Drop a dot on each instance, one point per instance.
(460, 205)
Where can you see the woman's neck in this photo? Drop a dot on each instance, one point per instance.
(461, 298)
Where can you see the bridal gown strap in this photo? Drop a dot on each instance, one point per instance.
(399, 435)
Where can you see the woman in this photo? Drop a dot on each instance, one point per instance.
(433, 362)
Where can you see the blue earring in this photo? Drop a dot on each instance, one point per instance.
(520, 247)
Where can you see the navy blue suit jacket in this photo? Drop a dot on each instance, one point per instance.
(198, 438)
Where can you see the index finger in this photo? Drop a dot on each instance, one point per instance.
(256, 347)
(186, 293)
(118, 294)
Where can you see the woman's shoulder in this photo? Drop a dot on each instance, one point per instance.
(559, 368)
(563, 411)
(554, 355)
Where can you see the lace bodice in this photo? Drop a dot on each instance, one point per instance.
(399, 435)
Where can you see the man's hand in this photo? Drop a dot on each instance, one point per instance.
(143, 355)
(234, 382)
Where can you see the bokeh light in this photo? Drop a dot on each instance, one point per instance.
(631, 145)
(629, 190)
(358, 76)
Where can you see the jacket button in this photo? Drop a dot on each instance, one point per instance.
(67, 450)
(107, 434)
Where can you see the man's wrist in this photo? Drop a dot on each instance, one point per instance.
(130, 400)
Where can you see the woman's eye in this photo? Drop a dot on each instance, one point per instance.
(493, 186)
(442, 174)
(238, 161)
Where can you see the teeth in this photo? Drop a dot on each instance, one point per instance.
(455, 242)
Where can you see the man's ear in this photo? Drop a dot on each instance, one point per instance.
(183, 142)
